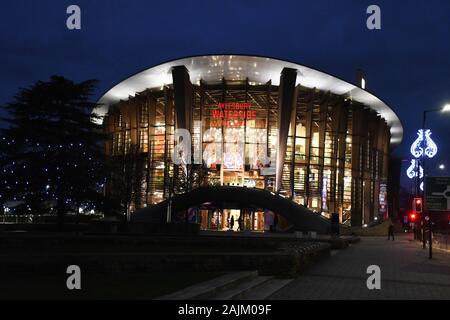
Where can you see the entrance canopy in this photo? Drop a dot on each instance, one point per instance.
(299, 216)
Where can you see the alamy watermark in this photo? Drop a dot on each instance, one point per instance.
(374, 20)
(374, 280)
(73, 22)
(73, 282)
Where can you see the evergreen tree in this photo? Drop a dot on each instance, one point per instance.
(51, 157)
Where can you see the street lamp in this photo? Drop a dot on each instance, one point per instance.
(445, 108)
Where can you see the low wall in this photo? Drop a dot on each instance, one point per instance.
(132, 254)
(378, 230)
(282, 263)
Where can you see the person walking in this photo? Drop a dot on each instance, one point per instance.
(231, 223)
(391, 230)
(240, 223)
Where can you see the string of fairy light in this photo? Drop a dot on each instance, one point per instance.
(79, 159)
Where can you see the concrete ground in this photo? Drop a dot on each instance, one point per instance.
(406, 273)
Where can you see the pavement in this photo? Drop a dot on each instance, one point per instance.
(406, 273)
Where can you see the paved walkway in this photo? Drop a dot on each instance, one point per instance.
(406, 273)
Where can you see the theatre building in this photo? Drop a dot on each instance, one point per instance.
(253, 122)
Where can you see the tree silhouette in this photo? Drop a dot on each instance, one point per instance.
(51, 158)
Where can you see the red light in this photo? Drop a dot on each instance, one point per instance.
(412, 217)
(417, 205)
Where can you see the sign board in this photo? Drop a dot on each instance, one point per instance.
(382, 199)
(232, 114)
(437, 193)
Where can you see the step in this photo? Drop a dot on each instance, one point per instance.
(205, 290)
(240, 289)
(266, 289)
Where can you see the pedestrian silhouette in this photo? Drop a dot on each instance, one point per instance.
(231, 223)
(240, 223)
(391, 230)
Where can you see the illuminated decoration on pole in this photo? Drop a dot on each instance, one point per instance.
(431, 149)
(422, 146)
(411, 172)
(416, 147)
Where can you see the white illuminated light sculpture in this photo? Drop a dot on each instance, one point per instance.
(411, 172)
(418, 148)
(423, 145)
(431, 149)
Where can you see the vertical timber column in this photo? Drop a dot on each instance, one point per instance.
(202, 112)
(135, 149)
(365, 145)
(293, 133)
(167, 110)
(356, 218)
(322, 130)
(384, 149)
(151, 101)
(286, 106)
(222, 130)
(380, 138)
(133, 106)
(375, 181)
(335, 114)
(308, 143)
(268, 151)
(342, 136)
(386, 138)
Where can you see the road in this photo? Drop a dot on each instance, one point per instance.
(406, 273)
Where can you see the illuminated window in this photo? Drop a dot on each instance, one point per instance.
(127, 141)
(315, 203)
(119, 142)
(144, 115)
(143, 140)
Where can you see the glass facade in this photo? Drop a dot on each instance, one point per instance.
(336, 149)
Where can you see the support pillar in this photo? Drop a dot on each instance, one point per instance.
(286, 110)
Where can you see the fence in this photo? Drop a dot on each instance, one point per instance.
(18, 219)
(441, 240)
(46, 218)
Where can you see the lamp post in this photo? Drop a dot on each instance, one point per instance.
(445, 108)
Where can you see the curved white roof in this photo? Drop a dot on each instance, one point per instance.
(258, 70)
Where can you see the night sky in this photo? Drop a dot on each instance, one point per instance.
(406, 63)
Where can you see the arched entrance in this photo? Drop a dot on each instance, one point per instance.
(298, 216)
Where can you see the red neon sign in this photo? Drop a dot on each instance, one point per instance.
(233, 113)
